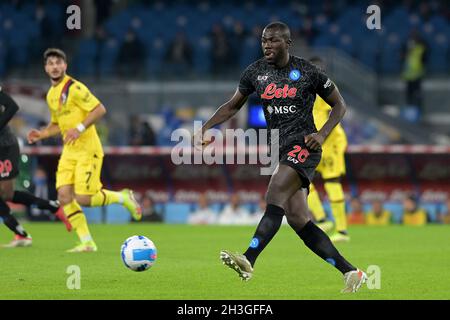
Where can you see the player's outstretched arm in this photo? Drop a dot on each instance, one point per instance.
(338, 108)
(96, 114)
(10, 106)
(224, 113)
(36, 135)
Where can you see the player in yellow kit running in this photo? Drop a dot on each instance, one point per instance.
(331, 168)
(74, 112)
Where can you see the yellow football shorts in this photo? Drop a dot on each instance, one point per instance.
(332, 164)
(80, 170)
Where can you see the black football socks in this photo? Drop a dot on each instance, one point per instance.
(29, 199)
(10, 221)
(316, 240)
(266, 230)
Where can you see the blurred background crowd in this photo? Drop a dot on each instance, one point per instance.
(159, 65)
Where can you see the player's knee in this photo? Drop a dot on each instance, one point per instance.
(275, 193)
(83, 200)
(64, 198)
(6, 193)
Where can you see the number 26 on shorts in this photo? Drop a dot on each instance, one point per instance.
(299, 153)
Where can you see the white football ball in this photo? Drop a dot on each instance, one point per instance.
(138, 253)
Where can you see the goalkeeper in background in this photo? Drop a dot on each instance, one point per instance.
(74, 111)
(331, 168)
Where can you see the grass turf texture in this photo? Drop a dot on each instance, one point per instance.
(413, 261)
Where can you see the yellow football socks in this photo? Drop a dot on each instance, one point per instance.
(337, 202)
(77, 219)
(106, 197)
(315, 205)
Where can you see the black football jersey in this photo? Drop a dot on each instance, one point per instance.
(287, 95)
(7, 138)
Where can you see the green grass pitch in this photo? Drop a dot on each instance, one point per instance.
(414, 264)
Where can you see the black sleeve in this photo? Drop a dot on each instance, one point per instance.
(246, 86)
(10, 108)
(322, 85)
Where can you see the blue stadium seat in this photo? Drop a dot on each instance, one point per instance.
(250, 52)
(324, 40)
(432, 210)
(94, 214)
(438, 59)
(367, 52)
(155, 56)
(439, 23)
(159, 207)
(202, 55)
(250, 207)
(108, 56)
(177, 212)
(321, 23)
(117, 214)
(396, 210)
(217, 207)
(367, 207)
(390, 57)
(85, 59)
(345, 43)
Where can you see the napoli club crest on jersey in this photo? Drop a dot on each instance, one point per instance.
(294, 75)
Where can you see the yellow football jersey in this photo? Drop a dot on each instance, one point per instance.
(70, 102)
(416, 218)
(321, 112)
(383, 220)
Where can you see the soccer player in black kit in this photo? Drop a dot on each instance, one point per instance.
(287, 86)
(9, 170)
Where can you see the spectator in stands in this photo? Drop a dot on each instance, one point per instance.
(49, 37)
(356, 214)
(149, 213)
(444, 214)
(307, 31)
(237, 38)
(103, 10)
(101, 37)
(414, 57)
(147, 134)
(412, 214)
(204, 214)
(131, 55)
(378, 216)
(179, 55)
(234, 213)
(221, 50)
(141, 133)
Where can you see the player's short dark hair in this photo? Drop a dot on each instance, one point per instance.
(54, 52)
(280, 26)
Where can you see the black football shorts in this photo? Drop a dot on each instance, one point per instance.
(301, 159)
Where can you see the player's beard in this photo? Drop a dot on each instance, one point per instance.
(58, 79)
